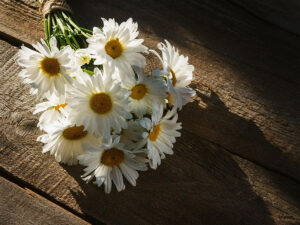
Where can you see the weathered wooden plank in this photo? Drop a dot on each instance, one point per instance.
(281, 13)
(215, 25)
(253, 110)
(201, 184)
(240, 106)
(20, 19)
(22, 206)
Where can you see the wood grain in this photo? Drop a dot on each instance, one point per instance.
(201, 184)
(247, 82)
(247, 71)
(22, 206)
(21, 20)
(284, 14)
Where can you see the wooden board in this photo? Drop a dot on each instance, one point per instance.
(241, 71)
(22, 206)
(201, 184)
(247, 103)
(284, 14)
(243, 67)
(20, 20)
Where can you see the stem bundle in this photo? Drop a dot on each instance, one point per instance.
(65, 28)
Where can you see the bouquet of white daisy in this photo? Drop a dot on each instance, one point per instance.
(97, 106)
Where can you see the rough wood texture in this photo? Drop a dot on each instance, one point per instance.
(281, 13)
(22, 206)
(20, 19)
(247, 71)
(247, 78)
(200, 184)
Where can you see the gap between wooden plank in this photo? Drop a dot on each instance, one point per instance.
(198, 135)
(13, 40)
(254, 162)
(261, 100)
(230, 150)
(17, 42)
(288, 28)
(25, 185)
(21, 206)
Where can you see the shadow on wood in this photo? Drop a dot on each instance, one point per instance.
(251, 65)
(252, 110)
(235, 133)
(200, 184)
(221, 26)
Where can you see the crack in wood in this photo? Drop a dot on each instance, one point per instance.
(33, 191)
(240, 116)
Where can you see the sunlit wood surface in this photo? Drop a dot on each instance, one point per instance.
(238, 160)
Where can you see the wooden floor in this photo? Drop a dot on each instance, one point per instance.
(238, 160)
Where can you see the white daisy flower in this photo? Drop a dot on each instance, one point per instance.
(99, 104)
(178, 70)
(82, 57)
(116, 45)
(79, 76)
(47, 70)
(109, 162)
(64, 140)
(132, 136)
(161, 134)
(53, 109)
(145, 92)
(172, 96)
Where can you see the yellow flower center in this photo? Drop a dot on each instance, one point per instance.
(50, 66)
(114, 48)
(154, 133)
(85, 60)
(112, 157)
(101, 103)
(174, 80)
(74, 133)
(60, 106)
(139, 91)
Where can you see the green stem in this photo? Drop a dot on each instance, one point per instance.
(75, 41)
(65, 28)
(86, 30)
(75, 25)
(88, 71)
(46, 30)
(49, 25)
(57, 34)
(69, 29)
(62, 28)
(65, 22)
(83, 41)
